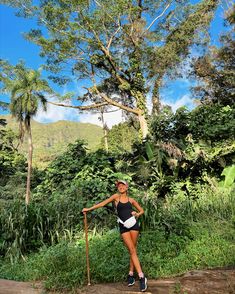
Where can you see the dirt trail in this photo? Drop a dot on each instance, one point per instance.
(216, 281)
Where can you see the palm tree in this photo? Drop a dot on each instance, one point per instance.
(27, 92)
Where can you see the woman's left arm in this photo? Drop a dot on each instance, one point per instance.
(138, 207)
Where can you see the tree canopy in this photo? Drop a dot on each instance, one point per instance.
(120, 50)
(216, 70)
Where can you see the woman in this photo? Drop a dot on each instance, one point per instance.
(129, 235)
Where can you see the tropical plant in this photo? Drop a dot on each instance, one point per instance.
(121, 138)
(27, 91)
(11, 161)
(171, 127)
(229, 173)
(212, 123)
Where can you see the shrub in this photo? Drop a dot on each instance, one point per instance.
(64, 265)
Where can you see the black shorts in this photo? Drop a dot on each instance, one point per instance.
(123, 229)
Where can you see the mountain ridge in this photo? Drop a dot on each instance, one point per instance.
(51, 139)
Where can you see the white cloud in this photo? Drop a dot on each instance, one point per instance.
(185, 100)
(55, 113)
(111, 118)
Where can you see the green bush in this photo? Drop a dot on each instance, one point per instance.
(49, 221)
(25, 229)
(60, 266)
(64, 265)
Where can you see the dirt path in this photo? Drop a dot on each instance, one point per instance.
(216, 281)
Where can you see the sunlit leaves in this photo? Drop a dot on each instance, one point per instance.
(229, 173)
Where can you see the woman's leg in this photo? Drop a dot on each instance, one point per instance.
(134, 237)
(132, 250)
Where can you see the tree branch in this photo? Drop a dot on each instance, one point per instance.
(85, 107)
(114, 103)
(155, 19)
(42, 19)
(111, 39)
(105, 51)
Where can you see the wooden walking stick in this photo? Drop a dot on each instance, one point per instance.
(87, 251)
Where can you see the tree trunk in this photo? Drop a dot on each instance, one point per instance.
(143, 126)
(105, 130)
(142, 112)
(156, 103)
(156, 98)
(106, 139)
(30, 159)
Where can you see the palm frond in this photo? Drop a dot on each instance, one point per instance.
(43, 100)
(4, 105)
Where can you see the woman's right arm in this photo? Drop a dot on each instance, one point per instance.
(101, 204)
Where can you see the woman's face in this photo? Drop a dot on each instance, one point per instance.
(122, 188)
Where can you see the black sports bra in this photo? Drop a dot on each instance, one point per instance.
(124, 210)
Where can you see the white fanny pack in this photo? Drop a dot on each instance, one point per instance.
(129, 223)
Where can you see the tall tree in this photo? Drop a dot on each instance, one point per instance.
(216, 70)
(120, 49)
(27, 91)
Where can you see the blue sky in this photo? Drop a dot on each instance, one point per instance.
(14, 47)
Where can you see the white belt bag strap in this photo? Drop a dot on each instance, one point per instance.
(129, 223)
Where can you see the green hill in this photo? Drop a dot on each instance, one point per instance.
(50, 140)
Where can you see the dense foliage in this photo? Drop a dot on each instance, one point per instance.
(179, 198)
(205, 242)
(12, 165)
(182, 174)
(121, 137)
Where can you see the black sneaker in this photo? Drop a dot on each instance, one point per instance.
(130, 280)
(143, 284)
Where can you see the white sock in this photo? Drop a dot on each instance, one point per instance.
(131, 273)
(141, 275)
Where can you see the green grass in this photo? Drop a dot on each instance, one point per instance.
(211, 244)
(190, 234)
